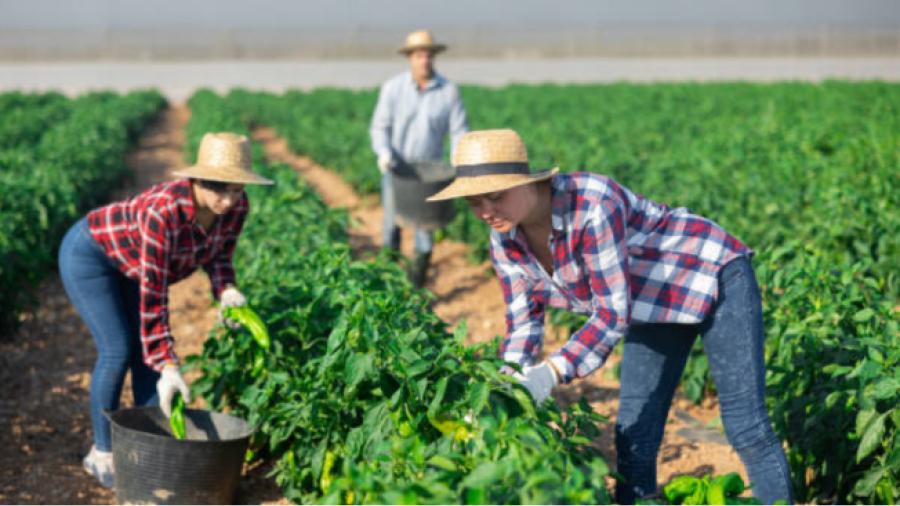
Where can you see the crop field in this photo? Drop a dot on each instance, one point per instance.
(365, 395)
(58, 157)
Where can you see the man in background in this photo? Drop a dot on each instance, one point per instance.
(416, 111)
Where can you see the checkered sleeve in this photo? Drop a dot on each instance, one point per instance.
(156, 339)
(524, 310)
(220, 269)
(605, 254)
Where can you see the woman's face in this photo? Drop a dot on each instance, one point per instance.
(504, 210)
(218, 197)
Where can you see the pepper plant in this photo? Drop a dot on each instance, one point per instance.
(364, 396)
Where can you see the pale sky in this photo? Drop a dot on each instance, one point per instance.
(403, 14)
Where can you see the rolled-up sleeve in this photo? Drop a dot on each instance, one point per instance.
(380, 128)
(524, 310)
(156, 338)
(605, 253)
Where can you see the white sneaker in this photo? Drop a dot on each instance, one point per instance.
(100, 465)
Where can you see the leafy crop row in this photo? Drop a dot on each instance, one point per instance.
(58, 157)
(364, 396)
(26, 116)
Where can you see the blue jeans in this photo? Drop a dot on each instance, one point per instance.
(108, 302)
(652, 363)
(424, 239)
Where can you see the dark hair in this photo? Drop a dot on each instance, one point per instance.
(216, 186)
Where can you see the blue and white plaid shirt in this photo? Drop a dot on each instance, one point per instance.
(618, 257)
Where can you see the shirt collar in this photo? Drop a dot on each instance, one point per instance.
(185, 193)
(559, 198)
(435, 82)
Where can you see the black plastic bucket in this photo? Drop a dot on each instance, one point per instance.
(413, 183)
(151, 466)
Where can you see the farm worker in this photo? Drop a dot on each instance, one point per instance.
(644, 272)
(117, 264)
(416, 110)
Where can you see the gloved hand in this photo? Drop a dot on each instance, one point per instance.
(538, 380)
(170, 381)
(231, 297)
(385, 161)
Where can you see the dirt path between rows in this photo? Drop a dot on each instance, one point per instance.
(694, 443)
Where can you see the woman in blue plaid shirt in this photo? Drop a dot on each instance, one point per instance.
(642, 271)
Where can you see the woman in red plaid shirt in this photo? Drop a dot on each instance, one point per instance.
(117, 264)
(655, 276)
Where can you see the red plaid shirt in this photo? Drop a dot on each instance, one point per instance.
(154, 239)
(618, 257)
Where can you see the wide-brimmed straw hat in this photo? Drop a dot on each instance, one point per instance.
(224, 157)
(421, 39)
(488, 161)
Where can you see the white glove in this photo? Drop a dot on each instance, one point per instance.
(170, 381)
(385, 161)
(231, 297)
(538, 380)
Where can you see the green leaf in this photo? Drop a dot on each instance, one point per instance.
(524, 400)
(461, 332)
(885, 490)
(579, 440)
(893, 460)
(886, 388)
(836, 370)
(865, 486)
(478, 397)
(832, 398)
(442, 462)
(434, 408)
(864, 315)
(484, 475)
(863, 418)
(876, 356)
(872, 437)
(866, 370)
(418, 368)
(358, 368)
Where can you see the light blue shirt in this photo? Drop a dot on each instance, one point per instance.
(412, 123)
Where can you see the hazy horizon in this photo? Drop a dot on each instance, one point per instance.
(168, 29)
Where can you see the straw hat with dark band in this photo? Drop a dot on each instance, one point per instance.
(224, 157)
(489, 161)
(421, 39)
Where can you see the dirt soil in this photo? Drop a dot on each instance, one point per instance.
(45, 365)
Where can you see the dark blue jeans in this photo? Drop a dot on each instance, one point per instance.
(108, 302)
(652, 364)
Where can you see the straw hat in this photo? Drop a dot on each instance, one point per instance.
(490, 161)
(224, 157)
(421, 39)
